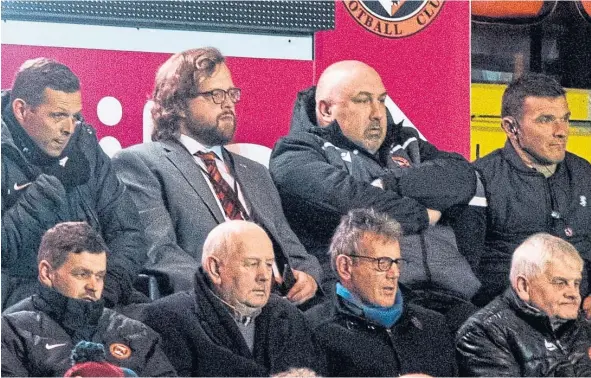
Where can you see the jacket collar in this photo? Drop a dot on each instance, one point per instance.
(510, 154)
(304, 120)
(79, 318)
(215, 317)
(533, 315)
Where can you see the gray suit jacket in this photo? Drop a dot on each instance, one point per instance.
(178, 209)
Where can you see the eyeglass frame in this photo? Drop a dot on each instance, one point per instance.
(219, 90)
(391, 261)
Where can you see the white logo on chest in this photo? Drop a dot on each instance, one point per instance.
(583, 201)
(550, 346)
(53, 346)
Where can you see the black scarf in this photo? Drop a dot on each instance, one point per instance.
(74, 171)
(79, 318)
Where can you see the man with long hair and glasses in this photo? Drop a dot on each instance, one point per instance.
(371, 328)
(185, 183)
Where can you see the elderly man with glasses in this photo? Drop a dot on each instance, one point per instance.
(185, 183)
(371, 328)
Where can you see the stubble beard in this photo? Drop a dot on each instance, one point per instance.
(372, 143)
(218, 134)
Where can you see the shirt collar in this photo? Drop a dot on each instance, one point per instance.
(194, 146)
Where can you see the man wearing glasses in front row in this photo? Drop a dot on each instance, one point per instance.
(186, 183)
(371, 328)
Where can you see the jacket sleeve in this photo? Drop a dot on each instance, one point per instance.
(303, 174)
(40, 207)
(157, 364)
(469, 223)
(304, 353)
(176, 343)
(121, 229)
(299, 258)
(484, 352)
(145, 188)
(13, 353)
(439, 181)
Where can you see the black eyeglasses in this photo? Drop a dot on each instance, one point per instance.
(384, 263)
(219, 95)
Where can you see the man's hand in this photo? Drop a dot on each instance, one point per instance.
(304, 288)
(434, 216)
(587, 307)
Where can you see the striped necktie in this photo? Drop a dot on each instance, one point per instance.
(228, 197)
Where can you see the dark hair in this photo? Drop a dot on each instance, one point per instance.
(177, 81)
(354, 225)
(69, 237)
(35, 75)
(530, 84)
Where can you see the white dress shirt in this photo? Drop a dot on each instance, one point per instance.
(193, 146)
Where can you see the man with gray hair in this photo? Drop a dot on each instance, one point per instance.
(536, 327)
(369, 329)
(230, 324)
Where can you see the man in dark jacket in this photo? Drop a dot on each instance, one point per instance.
(370, 329)
(535, 328)
(53, 170)
(230, 324)
(532, 185)
(39, 332)
(345, 152)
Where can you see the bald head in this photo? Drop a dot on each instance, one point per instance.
(352, 93)
(338, 76)
(238, 259)
(228, 237)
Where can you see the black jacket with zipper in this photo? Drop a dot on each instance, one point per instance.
(39, 333)
(510, 338)
(352, 346)
(39, 191)
(522, 202)
(321, 175)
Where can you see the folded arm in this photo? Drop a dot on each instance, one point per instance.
(304, 175)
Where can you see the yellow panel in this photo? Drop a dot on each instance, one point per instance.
(486, 134)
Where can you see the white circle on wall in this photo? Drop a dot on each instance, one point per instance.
(109, 111)
(110, 145)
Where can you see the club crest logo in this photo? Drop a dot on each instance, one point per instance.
(402, 162)
(394, 18)
(120, 351)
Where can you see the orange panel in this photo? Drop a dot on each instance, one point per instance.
(586, 7)
(508, 9)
